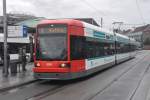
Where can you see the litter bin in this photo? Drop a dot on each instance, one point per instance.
(13, 67)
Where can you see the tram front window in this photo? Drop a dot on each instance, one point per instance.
(52, 43)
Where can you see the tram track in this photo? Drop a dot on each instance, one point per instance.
(53, 87)
(132, 97)
(61, 85)
(56, 89)
(111, 83)
(20, 86)
(46, 93)
(17, 86)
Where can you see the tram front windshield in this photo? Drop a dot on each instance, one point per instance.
(51, 42)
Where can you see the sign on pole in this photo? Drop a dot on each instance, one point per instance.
(17, 31)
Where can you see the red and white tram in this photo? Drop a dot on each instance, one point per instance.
(69, 49)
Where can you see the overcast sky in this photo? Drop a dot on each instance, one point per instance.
(111, 10)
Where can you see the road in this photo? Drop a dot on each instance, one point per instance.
(127, 81)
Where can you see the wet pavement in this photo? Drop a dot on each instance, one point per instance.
(15, 79)
(125, 88)
(127, 81)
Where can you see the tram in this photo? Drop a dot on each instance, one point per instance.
(68, 49)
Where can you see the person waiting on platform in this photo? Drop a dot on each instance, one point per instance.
(24, 59)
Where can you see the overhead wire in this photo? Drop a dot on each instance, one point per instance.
(91, 6)
(140, 12)
(101, 13)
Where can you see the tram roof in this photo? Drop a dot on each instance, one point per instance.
(83, 24)
(87, 25)
(123, 36)
(77, 23)
(63, 21)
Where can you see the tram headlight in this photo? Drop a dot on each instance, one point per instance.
(37, 65)
(65, 65)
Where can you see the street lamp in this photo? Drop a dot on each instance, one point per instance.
(5, 67)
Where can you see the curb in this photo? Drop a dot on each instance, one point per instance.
(3, 89)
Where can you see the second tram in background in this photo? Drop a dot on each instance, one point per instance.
(69, 49)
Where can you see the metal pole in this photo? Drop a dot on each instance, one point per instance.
(5, 69)
(101, 22)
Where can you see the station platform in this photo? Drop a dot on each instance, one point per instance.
(16, 79)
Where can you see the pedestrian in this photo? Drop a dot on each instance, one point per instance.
(20, 58)
(24, 60)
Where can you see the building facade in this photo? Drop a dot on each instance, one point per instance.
(140, 34)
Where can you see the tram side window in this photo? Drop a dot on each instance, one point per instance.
(88, 50)
(122, 48)
(93, 49)
(109, 49)
(76, 47)
(84, 49)
(117, 48)
(132, 47)
(99, 49)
